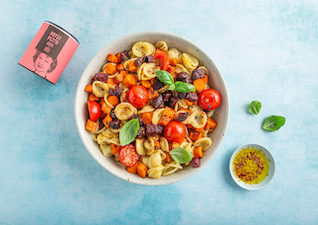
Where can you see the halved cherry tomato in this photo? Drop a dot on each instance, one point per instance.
(163, 59)
(138, 96)
(128, 156)
(175, 131)
(209, 99)
(93, 110)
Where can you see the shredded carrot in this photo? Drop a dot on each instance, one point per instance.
(197, 152)
(157, 145)
(195, 135)
(118, 57)
(129, 81)
(210, 124)
(146, 83)
(120, 66)
(89, 88)
(111, 81)
(198, 129)
(171, 70)
(112, 58)
(104, 107)
(132, 66)
(168, 157)
(107, 120)
(188, 102)
(152, 81)
(132, 169)
(115, 148)
(173, 62)
(120, 77)
(152, 93)
(206, 79)
(167, 116)
(199, 84)
(92, 97)
(174, 145)
(91, 126)
(147, 117)
(142, 170)
(112, 99)
(110, 69)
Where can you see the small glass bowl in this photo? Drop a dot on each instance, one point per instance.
(271, 172)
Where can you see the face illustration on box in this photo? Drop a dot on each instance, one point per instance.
(43, 63)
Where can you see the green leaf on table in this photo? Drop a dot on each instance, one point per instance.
(255, 107)
(273, 123)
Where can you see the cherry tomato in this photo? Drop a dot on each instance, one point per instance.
(128, 156)
(163, 59)
(93, 110)
(175, 131)
(138, 96)
(209, 99)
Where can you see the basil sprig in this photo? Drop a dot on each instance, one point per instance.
(181, 155)
(128, 132)
(184, 87)
(166, 78)
(255, 107)
(273, 123)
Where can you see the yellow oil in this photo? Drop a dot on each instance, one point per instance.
(248, 172)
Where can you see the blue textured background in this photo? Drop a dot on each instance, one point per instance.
(266, 51)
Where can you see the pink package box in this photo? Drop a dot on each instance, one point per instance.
(49, 52)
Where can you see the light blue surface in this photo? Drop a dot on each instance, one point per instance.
(266, 51)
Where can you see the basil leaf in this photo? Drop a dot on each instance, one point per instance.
(172, 87)
(255, 107)
(273, 123)
(128, 132)
(181, 155)
(164, 77)
(184, 87)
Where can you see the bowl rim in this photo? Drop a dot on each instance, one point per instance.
(264, 183)
(143, 181)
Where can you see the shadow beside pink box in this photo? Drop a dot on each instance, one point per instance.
(49, 52)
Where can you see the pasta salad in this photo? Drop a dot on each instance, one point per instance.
(151, 108)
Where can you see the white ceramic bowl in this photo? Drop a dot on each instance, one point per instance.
(221, 114)
(271, 172)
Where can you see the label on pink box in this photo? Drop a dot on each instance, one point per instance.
(49, 52)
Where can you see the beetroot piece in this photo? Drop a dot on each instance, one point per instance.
(101, 77)
(149, 59)
(124, 56)
(192, 97)
(157, 84)
(167, 95)
(172, 102)
(182, 95)
(117, 91)
(152, 129)
(115, 124)
(184, 77)
(183, 116)
(198, 74)
(195, 162)
(158, 101)
(140, 60)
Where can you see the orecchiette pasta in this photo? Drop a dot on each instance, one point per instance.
(99, 89)
(198, 119)
(124, 110)
(149, 153)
